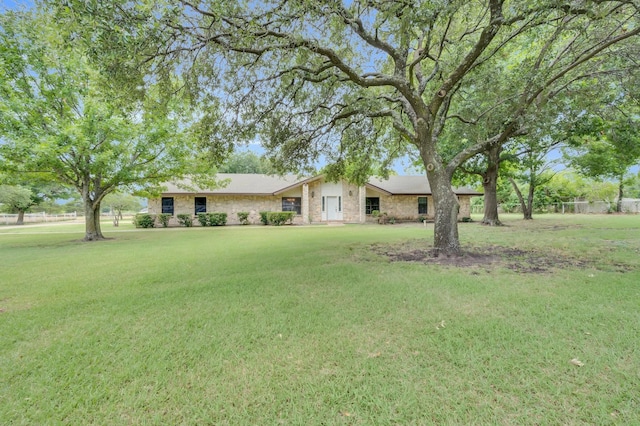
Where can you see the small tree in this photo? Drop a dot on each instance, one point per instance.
(534, 169)
(604, 149)
(27, 192)
(16, 199)
(119, 202)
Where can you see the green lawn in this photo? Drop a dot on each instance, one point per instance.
(308, 325)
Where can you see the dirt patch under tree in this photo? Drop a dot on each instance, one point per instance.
(490, 257)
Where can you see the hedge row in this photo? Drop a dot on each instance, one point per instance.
(276, 218)
(145, 220)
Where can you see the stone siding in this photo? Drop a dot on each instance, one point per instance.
(315, 201)
(465, 206)
(405, 207)
(350, 203)
(229, 204)
(402, 207)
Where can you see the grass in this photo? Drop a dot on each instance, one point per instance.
(306, 325)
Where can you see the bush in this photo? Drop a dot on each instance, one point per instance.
(216, 219)
(212, 219)
(467, 219)
(185, 220)
(202, 218)
(264, 218)
(280, 218)
(163, 218)
(243, 217)
(144, 220)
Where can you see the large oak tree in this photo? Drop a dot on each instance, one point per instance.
(359, 81)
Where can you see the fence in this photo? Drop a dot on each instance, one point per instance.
(577, 207)
(11, 219)
(628, 206)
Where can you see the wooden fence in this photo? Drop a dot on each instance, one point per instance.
(11, 219)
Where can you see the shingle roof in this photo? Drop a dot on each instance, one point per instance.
(242, 183)
(256, 184)
(411, 185)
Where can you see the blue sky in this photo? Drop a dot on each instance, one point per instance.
(15, 4)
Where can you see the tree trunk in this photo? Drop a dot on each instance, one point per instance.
(20, 220)
(529, 213)
(445, 230)
(92, 221)
(490, 201)
(490, 186)
(525, 211)
(446, 241)
(620, 195)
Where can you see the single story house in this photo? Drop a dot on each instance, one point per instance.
(314, 199)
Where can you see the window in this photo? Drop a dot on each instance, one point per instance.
(371, 204)
(167, 205)
(323, 204)
(292, 204)
(201, 205)
(339, 204)
(422, 205)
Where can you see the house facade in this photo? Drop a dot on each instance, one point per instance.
(315, 200)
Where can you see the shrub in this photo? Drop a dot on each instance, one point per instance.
(185, 220)
(216, 219)
(202, 218)
(243, 217)
(467, 219)
(144, 220)
(163, 218)
(280, 218)
(264, 218)
(212, 219)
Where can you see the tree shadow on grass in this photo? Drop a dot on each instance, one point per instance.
(526, 261)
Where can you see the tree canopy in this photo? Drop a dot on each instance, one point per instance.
(60, 118)
(246, 162)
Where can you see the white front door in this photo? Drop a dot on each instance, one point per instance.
(332, 208)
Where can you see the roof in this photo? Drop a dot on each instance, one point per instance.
(258, 184)
(243, 184)
(410, 185)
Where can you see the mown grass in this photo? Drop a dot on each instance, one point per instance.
(306, 325)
